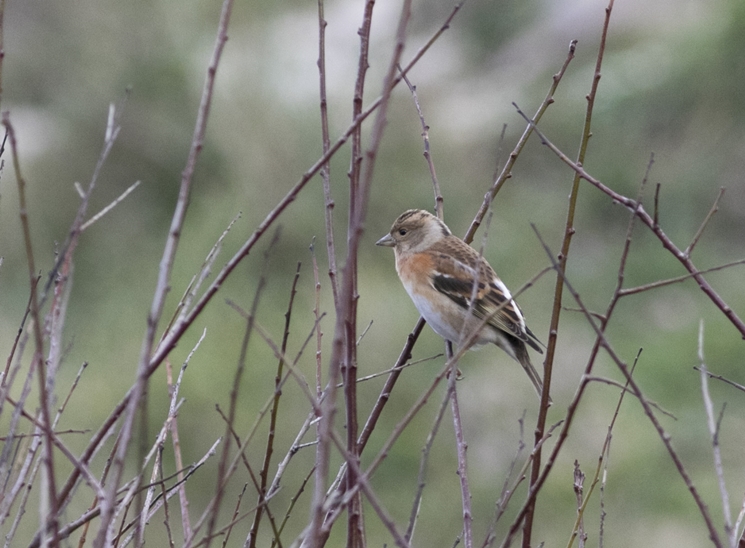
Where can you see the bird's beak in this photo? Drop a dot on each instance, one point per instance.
(386, 241)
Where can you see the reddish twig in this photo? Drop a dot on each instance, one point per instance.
(346, 308)
(235, 516)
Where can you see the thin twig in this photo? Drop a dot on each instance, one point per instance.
(506, 172)
(50, 496)
(235, 515)
(173, 390)
(326, 168)
(264, 472)
(713, 425)
(656, 219)
(700, 231)
(5, 384)
(317, 315)
(602, 465)
(569, 231)
(222, 470)
(427, 154)
(504, 495)
(178, 458)
(664, 239)
(462, 446)
(164, 275)
(663, 435)
(723, 379)
(579, 487)
(662, 283)
(109, 207)
(2, 46)
(421, 483)
(404, 366)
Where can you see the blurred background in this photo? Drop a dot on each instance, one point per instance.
(673, 84)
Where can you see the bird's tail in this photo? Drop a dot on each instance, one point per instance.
(521, 353)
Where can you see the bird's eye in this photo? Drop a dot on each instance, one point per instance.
(402, 231)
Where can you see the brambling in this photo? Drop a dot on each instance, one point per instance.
(439, 271)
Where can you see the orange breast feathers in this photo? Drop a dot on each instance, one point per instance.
(415, 271)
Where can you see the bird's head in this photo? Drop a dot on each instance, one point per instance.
(415, 230)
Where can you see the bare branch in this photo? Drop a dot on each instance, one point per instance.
(506, 172)
(569, 231)
(713, 425)
(50, 497)
(109, 207)
(427, 155)
(700, 231)
(667, 243)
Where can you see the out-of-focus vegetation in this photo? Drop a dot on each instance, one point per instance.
(673, 84)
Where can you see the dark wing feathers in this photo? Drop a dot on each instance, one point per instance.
(456, 263)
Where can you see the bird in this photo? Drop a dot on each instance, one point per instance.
(439, 272)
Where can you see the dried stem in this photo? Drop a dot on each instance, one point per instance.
(109, 207)
(662, 283)
(178, 459)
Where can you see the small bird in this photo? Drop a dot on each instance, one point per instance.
(439, 271)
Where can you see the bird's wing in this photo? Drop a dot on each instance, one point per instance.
(455, 267)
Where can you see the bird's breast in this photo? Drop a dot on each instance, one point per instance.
(442, 314)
